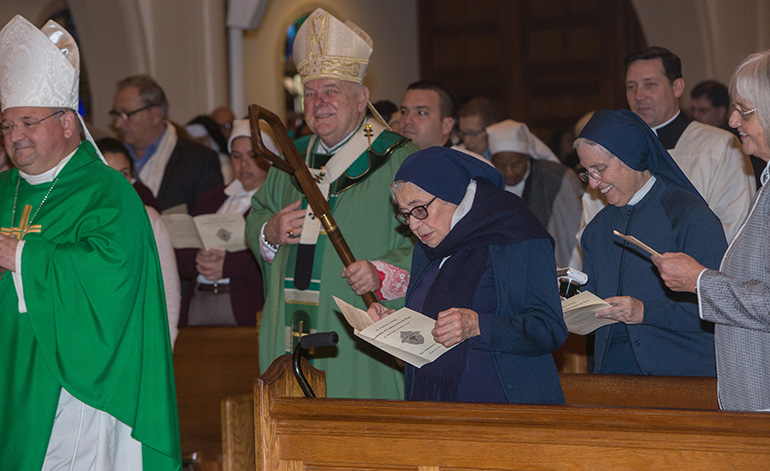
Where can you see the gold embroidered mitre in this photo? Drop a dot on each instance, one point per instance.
(38, 67)
(327, 48)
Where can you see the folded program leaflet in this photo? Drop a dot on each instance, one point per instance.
(579, 313)
(405, 334)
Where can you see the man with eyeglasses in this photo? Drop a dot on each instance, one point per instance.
(178, 171)
(84, 339)
(353, 159)
(710, 157)
(472, 120)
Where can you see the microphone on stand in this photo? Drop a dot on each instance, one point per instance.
(306, 342)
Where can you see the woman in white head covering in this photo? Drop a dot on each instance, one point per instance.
(226, 287)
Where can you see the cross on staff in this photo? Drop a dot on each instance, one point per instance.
(295, 165)
(23, 228)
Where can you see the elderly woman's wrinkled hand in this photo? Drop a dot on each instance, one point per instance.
(377, 311)
(679, 271)
(625, 309)
(455, 325)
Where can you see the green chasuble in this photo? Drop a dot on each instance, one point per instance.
(96, 322)
(361, 205)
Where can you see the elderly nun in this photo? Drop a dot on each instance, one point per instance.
(658, 331)
(484, 268)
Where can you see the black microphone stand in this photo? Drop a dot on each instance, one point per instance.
(306, 342)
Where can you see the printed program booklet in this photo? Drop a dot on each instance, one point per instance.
(579, 313)
(405, 334)
(207, 231)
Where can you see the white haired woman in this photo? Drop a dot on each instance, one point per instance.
(736, 298)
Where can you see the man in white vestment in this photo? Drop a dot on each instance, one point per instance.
(710, 157)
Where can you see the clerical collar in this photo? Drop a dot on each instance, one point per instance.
(50, 175)
(670, 131)
(639, 195)
(322, 149)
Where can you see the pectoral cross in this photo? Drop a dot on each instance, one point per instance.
(321, 174)
(23, 228)
(368, 133)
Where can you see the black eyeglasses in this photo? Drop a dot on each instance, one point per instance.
(124, 115)
(418, 212)
(6, 127)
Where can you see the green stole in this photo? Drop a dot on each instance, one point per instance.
(301, 314)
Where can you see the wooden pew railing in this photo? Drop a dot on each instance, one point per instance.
(294, 433)
(210, 364)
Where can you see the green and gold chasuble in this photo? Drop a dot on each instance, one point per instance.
(361, 205)
(96, 322)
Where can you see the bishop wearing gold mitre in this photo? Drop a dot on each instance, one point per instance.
(353, 159)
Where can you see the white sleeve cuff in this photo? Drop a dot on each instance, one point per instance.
(697, 292)
(265, 249)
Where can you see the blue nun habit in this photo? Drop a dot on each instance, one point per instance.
(498, 261)
(670, 217)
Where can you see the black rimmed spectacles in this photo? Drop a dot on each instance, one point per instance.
(418, 212)
(124, 115)
(6, 127)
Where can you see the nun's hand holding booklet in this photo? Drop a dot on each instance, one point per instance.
(405, 334)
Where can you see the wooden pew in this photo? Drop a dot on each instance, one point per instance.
(339, 434)
(668, 392)
(211, 363)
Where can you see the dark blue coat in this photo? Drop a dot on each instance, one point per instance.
(672, 339)
(527, 325)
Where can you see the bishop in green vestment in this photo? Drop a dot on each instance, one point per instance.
(353, 159)
(95, 321)
(362, 208)
(86, 378)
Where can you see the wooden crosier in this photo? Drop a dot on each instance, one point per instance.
(295, 165)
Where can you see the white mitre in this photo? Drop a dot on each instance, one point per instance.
(39, 68)
(327, 48)
(513, 136)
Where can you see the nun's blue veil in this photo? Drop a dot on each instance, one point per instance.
(628, 137)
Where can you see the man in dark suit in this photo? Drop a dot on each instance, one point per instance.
(177, 171)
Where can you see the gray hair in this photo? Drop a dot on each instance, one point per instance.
(582, 141)
(149, 91)
(398, 184)
(751, 80)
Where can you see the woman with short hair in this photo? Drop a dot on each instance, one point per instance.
(736, 297)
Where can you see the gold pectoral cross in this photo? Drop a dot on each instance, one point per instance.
(369, 133)
(23, 228)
